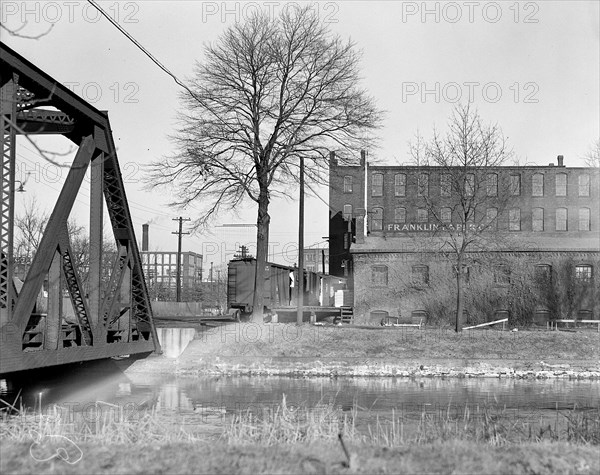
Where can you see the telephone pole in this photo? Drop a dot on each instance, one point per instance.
(180, 233)
(300, 284)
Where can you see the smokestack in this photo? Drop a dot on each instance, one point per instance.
(332, 160)
(363, 158)
(560, 159)
(145, 237)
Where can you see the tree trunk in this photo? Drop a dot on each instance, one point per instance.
(459, 297)
(262, 246)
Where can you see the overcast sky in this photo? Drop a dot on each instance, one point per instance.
(531, 67)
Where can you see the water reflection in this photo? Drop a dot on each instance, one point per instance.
(174, 340)
(373, 398)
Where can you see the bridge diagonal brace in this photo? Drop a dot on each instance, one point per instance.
(117, 277)
(74, 287)
(49, 242)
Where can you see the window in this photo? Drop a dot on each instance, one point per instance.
(515, 185)
(347, 184)
(347, 212)
(561, 184)
(537, 219)
(543, 273)
(379, 275)
(377, 184)
(583, 273)
(492, 184)
(491, 216)
(420, 274)
(446, 215)
(446, 185)
(377, 219)
(561, 219)
(399, 215)
(502, 274)
(584, 185)
(400, 184)
(584, 219)
(423, 185)
(537, 185)
(470, 184)
(422, 215)
(514, 219)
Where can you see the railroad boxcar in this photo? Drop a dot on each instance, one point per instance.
(280, 286)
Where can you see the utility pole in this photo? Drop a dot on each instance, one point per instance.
(301, 246)
(212, 284)
(180, 233)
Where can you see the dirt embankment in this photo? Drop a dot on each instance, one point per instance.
(304, 351)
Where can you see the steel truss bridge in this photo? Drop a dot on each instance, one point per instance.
(112, 317)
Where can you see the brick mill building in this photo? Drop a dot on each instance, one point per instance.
(385, 236)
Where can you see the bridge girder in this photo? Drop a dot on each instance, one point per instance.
(109, 321)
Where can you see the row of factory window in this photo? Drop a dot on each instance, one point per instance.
(501, 274)
(538, 215)
(489, 184)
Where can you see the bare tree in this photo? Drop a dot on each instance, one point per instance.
(269, 91)
(30, 226)
(29, 229)
(592, 157)
(475, 193)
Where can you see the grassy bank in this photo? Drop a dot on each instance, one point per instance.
(304, 351)
(306, 441)
(402, 343)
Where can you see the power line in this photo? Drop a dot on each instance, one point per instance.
(137, 43)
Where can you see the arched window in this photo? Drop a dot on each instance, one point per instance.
(420, 274)
(492, 184)
(514, 219)
(377, 219)
(537, 185)
(515, 185)
(561, 184)
(423, 185)
(400, 215)
(537, 219)
(379, 275)
(446, 215)
(347, 212)
(491, 216)
(584, 219)
(470, 184)
(446, 184)
(584, 273)
(543, 272)
(422, 215)
(400, 184)
(584, 185)
(561, 219)
(502, 274)
(377, 184)
(348, 184)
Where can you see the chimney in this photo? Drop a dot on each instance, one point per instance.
(145, 237)
(363, 157)
(560, 159)
(332, 159)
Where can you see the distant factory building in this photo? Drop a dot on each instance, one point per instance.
(389, 234)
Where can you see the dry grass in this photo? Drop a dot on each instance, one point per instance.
(287, 340)
(288, 440)
(489, 425)
(102, 423)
